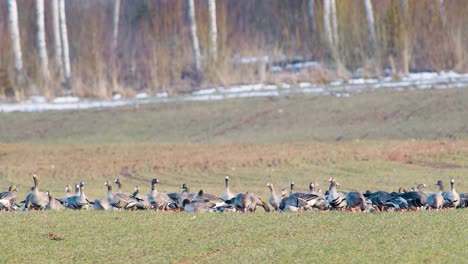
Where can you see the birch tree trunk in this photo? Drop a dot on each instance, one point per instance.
(41, 41)
(213, 29)
(310, 16)
(370, 25)
(115, 25)
(64, 37)
(57, 40)
(327, 26)
(15, 39)
(334, 23)
(193, 34)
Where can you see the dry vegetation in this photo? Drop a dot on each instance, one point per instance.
(154, 53)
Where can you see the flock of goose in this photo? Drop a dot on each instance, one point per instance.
(201, 201)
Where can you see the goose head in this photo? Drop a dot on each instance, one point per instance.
(452, 180)
(13, 188)
(312, 186)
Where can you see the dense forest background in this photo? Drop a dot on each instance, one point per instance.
(154, 51)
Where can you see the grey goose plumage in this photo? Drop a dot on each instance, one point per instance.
(8, 199)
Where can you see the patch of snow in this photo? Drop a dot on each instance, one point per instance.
(36, 99)
(66, 99)
(117, 96)
(276, 69)
(162, 95)
(205, 91)
(141, 96)
(305, 84)
(285, 86)
(270, 87)
(362, 81)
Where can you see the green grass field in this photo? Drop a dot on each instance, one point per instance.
(377, 141)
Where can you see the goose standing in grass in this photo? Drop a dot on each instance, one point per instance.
(451, 198)
(185, 194)
(54, 204)
(67, 194)
(337, 200)
(159, 200)
(143, 203)
(8, 199)
(36, 200)
(288, 202)
(227, 195)
(274, 201)
(119, 200)
(436, 200)
(78, 202)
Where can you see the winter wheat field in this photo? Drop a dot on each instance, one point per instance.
(378, 140)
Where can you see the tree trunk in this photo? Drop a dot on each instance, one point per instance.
(310, 16)
(213, 29)
(334, 22)
(64, 37)
(41, 41)
(115, 31)
(442, 13)
(15, 39)
(327, 26)
(370, 25)
(193, 35)
(56, 33)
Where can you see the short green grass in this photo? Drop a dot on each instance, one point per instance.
(122, 237)
(376, 141)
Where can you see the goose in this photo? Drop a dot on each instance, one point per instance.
(378, 199)
(415, 199)
(67, 194)
(119, 200)
(309, 200)
(102, 205)
(356, 200)
(227, 195)
(185, 194)
(289, 203)
(436, 200)
(8, 199)
(273, 198)
(159, 200)
(78, 202)
(451, 198)
(143, 203)
(204, 196)
(463, 200)
(54, 204)
(119, 185)
(248, 202)
(396, 203)
(337, 200)
(36, 200)
(198, 206)
(291, 188)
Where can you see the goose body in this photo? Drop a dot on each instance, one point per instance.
(119, 200)
(436, 200)
(336, 199)
(54, 204)
(208, 197)
(356, 200)
(78, 202)
(159, 200)
(102, 205)
(143, 203)
(227, 195)
(451, 198)
(273, 200)
(198, 206)
(8, 199)
(248, 202)
(36, 200)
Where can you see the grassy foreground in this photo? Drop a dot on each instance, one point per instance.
(122, 237)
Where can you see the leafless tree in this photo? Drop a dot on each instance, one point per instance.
(56, 33)
(213, 29)
(64, 37)
(370, 25)
(41, 41)
(115, 24)
(15, 38)
(193, 35)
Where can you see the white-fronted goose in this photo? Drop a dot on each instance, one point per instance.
(248, 202)
(356, 201)
(78, 202)
(102, 205)
(198, 206)
(436, 200)
(67, 194)
(37, 200)
(8, 199)
(288, 203)
(159, 200)
(227, 195)
(451, 198)
(54, 204)
(143, 203)
(119, 200)
(208, 197)
(337, 200)
(274, 201)
(185, 194)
